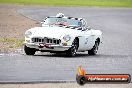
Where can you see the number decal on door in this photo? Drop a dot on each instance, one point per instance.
(86, 41)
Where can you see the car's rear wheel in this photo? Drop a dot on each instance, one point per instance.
(73, 50)
(94, 50)
(29, 51)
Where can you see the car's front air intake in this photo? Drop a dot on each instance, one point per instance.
(46, 40)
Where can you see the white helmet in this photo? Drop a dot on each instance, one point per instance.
(60, 15)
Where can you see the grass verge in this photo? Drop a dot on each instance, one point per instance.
(104, 3)
(11, 43)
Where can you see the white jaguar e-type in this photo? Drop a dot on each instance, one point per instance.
(62, 34)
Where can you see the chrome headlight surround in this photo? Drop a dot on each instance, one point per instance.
(67, 38)
(28, 34)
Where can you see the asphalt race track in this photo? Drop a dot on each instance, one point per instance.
(114, 55)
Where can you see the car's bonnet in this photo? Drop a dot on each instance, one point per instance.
(53, 32)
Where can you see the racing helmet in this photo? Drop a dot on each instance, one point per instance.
(60, 15)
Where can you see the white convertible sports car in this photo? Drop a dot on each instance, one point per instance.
(62, 34)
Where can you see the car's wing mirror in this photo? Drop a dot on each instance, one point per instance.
(84, 29)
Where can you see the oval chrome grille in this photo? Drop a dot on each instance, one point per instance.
(46, 40)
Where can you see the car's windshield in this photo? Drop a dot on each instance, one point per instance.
(62, 21)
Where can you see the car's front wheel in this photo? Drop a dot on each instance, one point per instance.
(94, 50)
(73, 50)
(29, 51)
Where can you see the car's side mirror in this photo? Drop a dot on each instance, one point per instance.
(84, 29)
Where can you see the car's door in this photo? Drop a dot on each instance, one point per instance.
(87, 40)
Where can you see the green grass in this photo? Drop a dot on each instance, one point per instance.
(12, 42)
(105, 3)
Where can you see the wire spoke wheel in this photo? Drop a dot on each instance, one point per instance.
(94, 50)
(96, 47)
(73, 50)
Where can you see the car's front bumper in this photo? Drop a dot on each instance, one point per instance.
(47, 47)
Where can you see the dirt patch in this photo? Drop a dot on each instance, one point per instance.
(12, 27)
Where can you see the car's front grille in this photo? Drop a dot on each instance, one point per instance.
(46, 40)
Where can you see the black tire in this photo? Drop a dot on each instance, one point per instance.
(73, 50)
(29, 51)
(94, 50)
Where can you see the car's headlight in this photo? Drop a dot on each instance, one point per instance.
(28, 34)
(66, 38)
